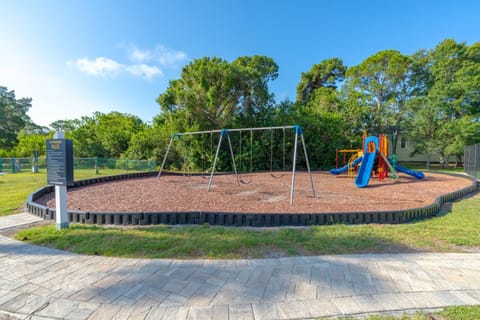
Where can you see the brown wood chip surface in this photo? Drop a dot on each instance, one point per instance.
(263, 194)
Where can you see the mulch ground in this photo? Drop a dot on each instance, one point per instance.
(260, 193)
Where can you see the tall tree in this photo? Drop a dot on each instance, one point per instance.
(254, 74)
(64, 125)
(381, 84)
(211, 92)
(451, 96)
(422, 127)
(328, 74)
(13, 116)
(203, 97)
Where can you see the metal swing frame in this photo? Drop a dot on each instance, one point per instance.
(271, 154)
(226, 132)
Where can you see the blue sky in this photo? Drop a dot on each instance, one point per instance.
(77, 57)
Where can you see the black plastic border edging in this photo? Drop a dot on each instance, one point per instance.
(239, 219)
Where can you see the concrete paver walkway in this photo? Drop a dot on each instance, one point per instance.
(42, 283)
(18, 220)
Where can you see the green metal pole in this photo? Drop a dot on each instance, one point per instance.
(96, 165)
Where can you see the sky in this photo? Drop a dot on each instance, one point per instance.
(76, 57)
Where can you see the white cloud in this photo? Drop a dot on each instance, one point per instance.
(143, 63)
(168, 57)
(99, 67)
(160, 54)
(144, 71)
(105, 67)
(137, 55)
(34, 72)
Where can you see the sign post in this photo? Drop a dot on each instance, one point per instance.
(60, 174)
(35, 161)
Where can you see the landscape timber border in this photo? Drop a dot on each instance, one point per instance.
(239, 219)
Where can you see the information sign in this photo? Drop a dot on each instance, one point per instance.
(59, 162)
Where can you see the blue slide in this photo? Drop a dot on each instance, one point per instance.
(416, 174)
(365, 171)
(345, 168)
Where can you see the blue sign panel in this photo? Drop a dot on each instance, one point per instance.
(59, 162)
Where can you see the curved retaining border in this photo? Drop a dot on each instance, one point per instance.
(238, 219)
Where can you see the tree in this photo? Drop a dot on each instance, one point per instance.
(422, 127)
(85, 140)
(461, 132)
(29, 142)
(204, 97)
(211, 92)
(327, 75)
(450, 97)
(115, 130)
(64, 125)
(13, 117)
(381, 84)
(322, 131)
(105, 135)
(151, 142)
(254, 73)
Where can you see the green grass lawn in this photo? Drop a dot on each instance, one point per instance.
(456, 231)
(433, 167)
(15, 187)
(450, 313)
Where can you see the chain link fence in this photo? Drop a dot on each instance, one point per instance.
(472, 160)
(98, 165)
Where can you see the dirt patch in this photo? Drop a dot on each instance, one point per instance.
(263, 194)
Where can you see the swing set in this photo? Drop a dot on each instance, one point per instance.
(225, 133)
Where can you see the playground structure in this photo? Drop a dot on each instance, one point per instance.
(372, 159)
(139, 199)
(354, 157)
(227, 132)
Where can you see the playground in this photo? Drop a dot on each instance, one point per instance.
(263, 194)
(369, 182)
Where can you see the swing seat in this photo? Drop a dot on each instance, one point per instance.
(277, 177)
(244, 182)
